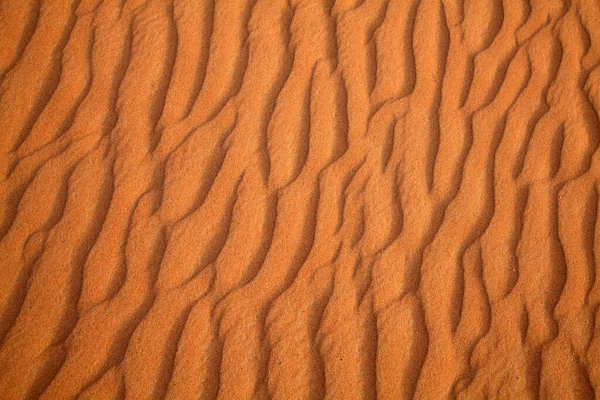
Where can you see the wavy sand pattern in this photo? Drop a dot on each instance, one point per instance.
(298, 199)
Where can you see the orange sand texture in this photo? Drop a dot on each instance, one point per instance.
(299, 199)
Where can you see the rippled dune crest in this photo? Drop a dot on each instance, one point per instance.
(299, 199)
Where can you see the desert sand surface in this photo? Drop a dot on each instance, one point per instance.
(299, 199)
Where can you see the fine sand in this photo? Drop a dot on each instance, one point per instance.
(299, 199)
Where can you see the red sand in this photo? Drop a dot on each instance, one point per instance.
(298, 199)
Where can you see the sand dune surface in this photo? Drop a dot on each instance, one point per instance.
(299, 199)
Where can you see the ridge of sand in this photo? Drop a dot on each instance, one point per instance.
(299, 199)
